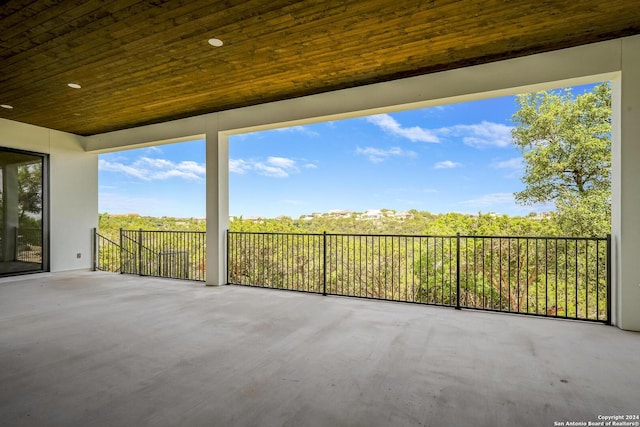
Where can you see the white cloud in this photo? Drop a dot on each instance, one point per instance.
(195, 167)
(106, 165)
(489, 200)
(311, 166)
(277, 167)
(282, 162)
(154, 163)
(272, 171)
(439, 108)
(298, 129)
(513, 163)
(153, 149)
(149, 169)
(447, 164)
(390, 125)
(176, 173)
(513, 167)
(238, 166)
(480, 135)
(377, 155)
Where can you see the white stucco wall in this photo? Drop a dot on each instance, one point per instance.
(625, 210)
(73, 185)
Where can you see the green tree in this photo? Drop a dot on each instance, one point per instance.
(30, 190)
(566, 146)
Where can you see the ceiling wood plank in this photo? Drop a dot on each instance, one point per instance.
(147, 61)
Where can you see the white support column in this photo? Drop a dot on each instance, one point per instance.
(625, 207)
(217, 164)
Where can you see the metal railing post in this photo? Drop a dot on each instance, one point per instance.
(457, 271)
(94, 252)
(121, 253)
(609, 322)
(139, 254)
(16, 243)
(324, 262)
(228, 255)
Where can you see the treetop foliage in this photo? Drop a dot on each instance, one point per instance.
(566, 147)
(418, 223)
(566, 143)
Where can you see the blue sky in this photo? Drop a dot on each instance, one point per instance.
(450, 158)
(167, 180)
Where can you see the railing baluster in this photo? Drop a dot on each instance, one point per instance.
(509, 274)
(608, 279)
(500, 273)
(537, 273)
(324, 261)
(566, 278)
(457, 271)
(484, 301)
(526, 275)
(586, 279)
(576, 277)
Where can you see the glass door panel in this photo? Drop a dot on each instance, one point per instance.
(23, 242)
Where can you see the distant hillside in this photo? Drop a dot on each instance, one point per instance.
(382, 221)
(110, 224)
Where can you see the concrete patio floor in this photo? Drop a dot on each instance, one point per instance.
(99, 349)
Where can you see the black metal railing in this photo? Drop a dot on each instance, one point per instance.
(169, 254)
(107, 254)
(565, 277)
(28, 245)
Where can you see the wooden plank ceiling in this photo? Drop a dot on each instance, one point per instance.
(142, 62)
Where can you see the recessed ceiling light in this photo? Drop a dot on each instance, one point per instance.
(215, 42)
(7, 106)
(74, 85)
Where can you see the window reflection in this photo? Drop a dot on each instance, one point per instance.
(22, 243)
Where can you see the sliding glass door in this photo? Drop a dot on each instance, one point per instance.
(24, 233)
